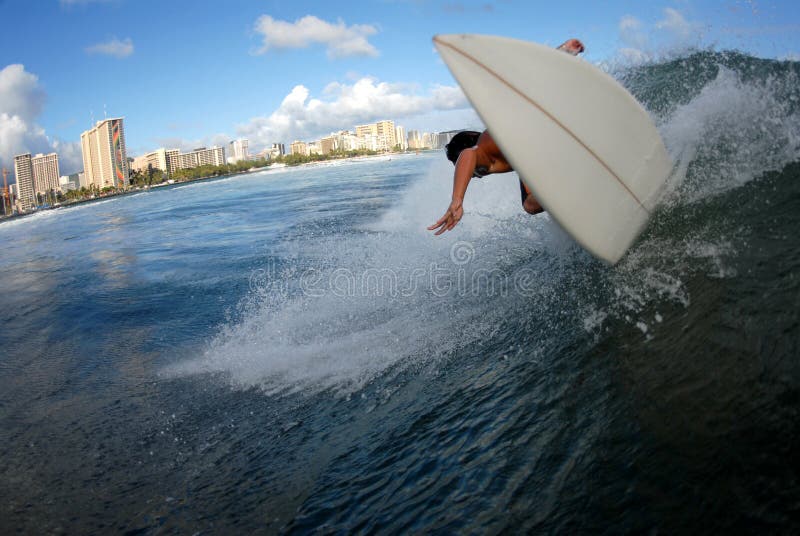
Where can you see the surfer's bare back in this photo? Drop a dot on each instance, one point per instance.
(475, 154)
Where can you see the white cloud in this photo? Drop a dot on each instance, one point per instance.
(216, 140)
(341, 40)
(642, 43)
(634, 55)
(343, 106)
(17, 137)
(70, 156)
(114, 48)
(20, 94)
(21, 103)
(631, 32)
(681, 30)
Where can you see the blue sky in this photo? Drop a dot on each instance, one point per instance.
(191, 73)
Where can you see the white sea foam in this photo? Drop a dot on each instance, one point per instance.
(732, 132)
(383, 300)
(48, 215)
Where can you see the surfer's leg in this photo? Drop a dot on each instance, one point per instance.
(529, 203)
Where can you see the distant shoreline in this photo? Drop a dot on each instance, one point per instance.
(165, 184)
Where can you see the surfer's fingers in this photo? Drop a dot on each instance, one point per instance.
(441, 220)
(436, 225)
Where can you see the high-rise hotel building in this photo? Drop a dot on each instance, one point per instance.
(239, 150)
(23, 170)
(105, 160)
(400, 137)
(299, 147)
(383, 132)
(45, 173)
(386, 129)
(213, 156)
(158, 159)
(37, 174)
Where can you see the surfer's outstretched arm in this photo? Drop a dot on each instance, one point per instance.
(477, 154)
(463, 173)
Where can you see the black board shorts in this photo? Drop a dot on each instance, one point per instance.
(523, 190)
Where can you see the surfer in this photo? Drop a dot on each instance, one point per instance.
(475, 154)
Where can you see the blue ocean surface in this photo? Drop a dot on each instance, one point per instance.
(291, 351)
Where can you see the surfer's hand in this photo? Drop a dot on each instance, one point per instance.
(453, 215)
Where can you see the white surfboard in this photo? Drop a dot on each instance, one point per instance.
(584, 146)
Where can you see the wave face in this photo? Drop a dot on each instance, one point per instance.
(727, 119)
(324, 363)
(529, 384)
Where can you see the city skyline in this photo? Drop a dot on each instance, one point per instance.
(381, 136)
(274, 73)
(107, 166)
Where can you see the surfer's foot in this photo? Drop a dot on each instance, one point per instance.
(572, 46)
(531, 205)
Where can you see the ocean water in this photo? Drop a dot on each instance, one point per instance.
(290, 350)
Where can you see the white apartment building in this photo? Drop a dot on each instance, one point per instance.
(299, 147)
(387, 130)
(238, 150)
(328, 145)
(171, 155)
(175, 160)
(383, 130)
(372, 142)
(157, 159)
(366, 130)
(23, 171)
(215, 156)
(105, 160)
(12, 195)
(427, 141)
(183, 161)
(414, 139)
(420, 140)
(346, 141)
(139, 163)
(45, 172)
(314, 147)
(66, 184)
(400, 137)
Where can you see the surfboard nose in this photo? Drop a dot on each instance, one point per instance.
(448, 39)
